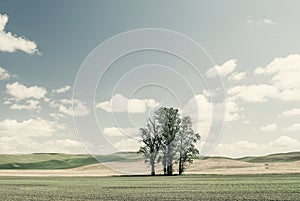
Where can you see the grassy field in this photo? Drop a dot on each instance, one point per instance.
(65, 161)
(197, 187)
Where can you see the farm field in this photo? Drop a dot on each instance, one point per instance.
(188, 187)
(129, 163)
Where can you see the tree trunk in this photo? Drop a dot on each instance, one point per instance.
(170, 169)
(164, 162)
(152, 170)
(169, 160)
(180, 168)
(152, 163)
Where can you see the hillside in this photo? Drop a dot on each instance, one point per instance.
(280, 157)
(67, 161)
(60, 161)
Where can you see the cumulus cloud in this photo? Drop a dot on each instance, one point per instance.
(117, 132)
(61, 90)
(35, 135)
(64, 106)
(57, 115)
(131, 144)
(294, 127)
(263, 21)
(10, 42)
(33, 127)
(253, 93)
(29, 105)
(4, 74)
(245, 148)
(284, 74)
(232, 110)
(20, 92)
(236, 77)
(285, 141)
(223, 70)
(269, 127)
(199, 108)
(18, 145)
(119, 103)
(291, 113)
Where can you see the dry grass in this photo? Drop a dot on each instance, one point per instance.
(208, 166)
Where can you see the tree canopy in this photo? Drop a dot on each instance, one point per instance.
(169, 138)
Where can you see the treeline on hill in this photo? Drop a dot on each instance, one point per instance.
(168, 138)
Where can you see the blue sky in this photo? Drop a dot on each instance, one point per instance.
(253, 44)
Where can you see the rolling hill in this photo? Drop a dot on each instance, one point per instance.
(67, 161)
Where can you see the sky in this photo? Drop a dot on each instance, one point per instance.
(51, 56)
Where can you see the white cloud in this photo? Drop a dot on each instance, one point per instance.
(65, 106)
(115, 131)
(236, 77)
(10, 42)
(285, 141)
(4, 74)
(198, 108)
(285, 71)
(294, 127)
(223, 70)
(264, 21)
(253, 93)
(17, 145)
(119, 103)
(269, 127)
(35, 135)
(61, 90)
(245, 148)
(30, 105)
(291, 113)
(232, 110)
(34, 127)
(290, 95)
(57, 115)
(131, 144)
(284, 74)
(20, 92)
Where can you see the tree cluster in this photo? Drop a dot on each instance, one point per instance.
(168, 138)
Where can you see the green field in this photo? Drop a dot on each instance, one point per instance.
(197, 187)
(65, 161)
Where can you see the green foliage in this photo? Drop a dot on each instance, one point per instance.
(186, 139)
(151, 140)
(169, 134)
(169, 124)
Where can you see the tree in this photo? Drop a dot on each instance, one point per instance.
(169, 124)
(186, 140)
(152, 141)
(169, 137)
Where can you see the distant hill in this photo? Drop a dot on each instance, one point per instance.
(60, 161)
(280, 157)
(66, 161)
